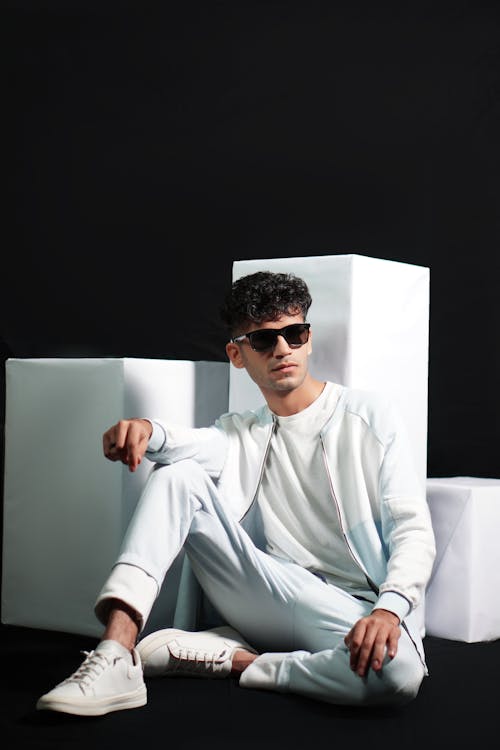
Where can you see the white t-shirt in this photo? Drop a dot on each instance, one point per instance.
(298, 511)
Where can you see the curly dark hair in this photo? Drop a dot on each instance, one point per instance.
(264, 296)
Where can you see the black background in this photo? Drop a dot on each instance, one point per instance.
(148, 146)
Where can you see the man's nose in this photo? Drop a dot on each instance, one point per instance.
(281, 347)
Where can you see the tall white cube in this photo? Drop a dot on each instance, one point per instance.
(462, 600)
(66, 507)
(370, 329)
(370, 325)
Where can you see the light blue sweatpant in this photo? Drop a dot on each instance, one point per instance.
(296, 621)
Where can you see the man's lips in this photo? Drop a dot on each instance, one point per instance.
(284, 366)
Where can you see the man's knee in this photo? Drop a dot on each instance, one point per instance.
(401, 678)
(186, 472)
(183, 484)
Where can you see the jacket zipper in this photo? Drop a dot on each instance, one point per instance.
(261, 472)
(371, 583)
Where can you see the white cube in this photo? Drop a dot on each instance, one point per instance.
(462, 600)
(370, 323)
(66, 507)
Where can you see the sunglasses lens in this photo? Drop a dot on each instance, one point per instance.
(295, 335)
(263, 340)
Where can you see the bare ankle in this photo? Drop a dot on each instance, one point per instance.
(241, 660)
(122, 624)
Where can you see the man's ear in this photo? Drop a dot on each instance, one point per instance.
(234, 354)
(309, 343)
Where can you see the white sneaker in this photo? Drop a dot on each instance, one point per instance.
(206, 653)
(110, 679)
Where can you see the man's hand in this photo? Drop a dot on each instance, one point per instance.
(127, 441)
(369, 638)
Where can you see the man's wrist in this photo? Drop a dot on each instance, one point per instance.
(392, 616)
(157, 438)
(394, 602)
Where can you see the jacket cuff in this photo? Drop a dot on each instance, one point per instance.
(157, 439)
(395, 603)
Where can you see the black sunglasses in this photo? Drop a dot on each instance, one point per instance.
(266, 339)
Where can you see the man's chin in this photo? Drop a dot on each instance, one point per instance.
(286, 381)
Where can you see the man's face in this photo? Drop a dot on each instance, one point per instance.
(281, 369)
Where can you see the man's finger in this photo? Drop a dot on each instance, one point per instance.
(121, 433)
(365, 654)
(378, 651)
(137, 443)
(392, 644)
(354, 641)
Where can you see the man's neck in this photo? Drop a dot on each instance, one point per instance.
(286, 403)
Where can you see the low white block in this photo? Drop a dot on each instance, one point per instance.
(370, 327)
(462, 601)
(66, 507)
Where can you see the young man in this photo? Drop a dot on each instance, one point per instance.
(303, 522)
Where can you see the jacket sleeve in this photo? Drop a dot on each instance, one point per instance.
(206, 445)
(405, 517)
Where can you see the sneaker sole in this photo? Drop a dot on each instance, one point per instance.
(95, 707)
(150, 643)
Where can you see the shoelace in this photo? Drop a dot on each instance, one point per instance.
(190, 660)
(95, 663)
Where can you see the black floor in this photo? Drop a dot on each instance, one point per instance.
(458, 706)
